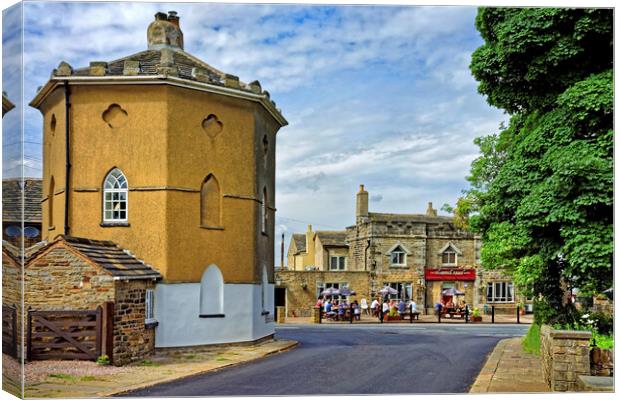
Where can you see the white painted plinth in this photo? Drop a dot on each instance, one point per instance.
(177, 309)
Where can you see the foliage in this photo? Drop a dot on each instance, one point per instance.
(603, 341)
(475, 313)
(103, 360)
(531, 341)
(600, 324)
(531, 55)
(542, 189)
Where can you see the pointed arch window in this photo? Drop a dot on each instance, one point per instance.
(210, 203)
(50, 204)
(115, 200)
(212, 293)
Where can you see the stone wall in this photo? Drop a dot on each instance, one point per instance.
(565, 355)
(301, 287)
(601, 362)
(62, 280)
(133, 340)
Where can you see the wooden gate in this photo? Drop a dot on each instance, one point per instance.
(9, 330)
(64, 335)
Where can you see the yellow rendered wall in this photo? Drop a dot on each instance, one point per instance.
(166, 154)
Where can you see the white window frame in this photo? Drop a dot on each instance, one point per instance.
(341, 263)
(399, 252)
(448, 251)
(149, 303)
(500, 292)
(115, 187)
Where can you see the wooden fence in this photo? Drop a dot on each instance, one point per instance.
(64, 335)
(9, 330)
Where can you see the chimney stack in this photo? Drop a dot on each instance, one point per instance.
(309, 237)
(165, 32)
(430, 211)
(361, 207)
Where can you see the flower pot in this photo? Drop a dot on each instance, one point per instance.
(476, 319)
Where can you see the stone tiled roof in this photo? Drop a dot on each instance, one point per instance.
(333, 238)
(150, 61)
(108, 255)
(11, 200)
(385, 217)
(300, 242)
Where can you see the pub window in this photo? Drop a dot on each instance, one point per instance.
(500, 292)
(210, 202)
(115, 197)
(448, 257)
(398, 256)
(337, 263)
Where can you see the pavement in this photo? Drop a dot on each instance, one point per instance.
(334, 359)
(85, 379)
(509, 369)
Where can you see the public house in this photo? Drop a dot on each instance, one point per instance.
(419, 255)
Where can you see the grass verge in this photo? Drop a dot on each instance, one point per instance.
(531, 341)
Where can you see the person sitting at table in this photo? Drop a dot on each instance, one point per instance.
(374, 306)
(319, 302)
(402, 307)
(385, 307)
(341, 311)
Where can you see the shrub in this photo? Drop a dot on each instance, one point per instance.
(103, 360)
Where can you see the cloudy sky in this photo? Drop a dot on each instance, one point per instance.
(380, 95)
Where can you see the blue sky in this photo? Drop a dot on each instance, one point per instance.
(380, 95)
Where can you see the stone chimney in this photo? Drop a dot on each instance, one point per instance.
(361, 207)
(430, 211)
(309, 237)
(165, 32)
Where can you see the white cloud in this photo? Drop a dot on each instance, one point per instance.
(375, 95)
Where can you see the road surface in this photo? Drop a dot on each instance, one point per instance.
(354, 359)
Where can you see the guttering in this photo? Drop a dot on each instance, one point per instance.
(134, 277)
(67, 157)
(159, 80)
(366, 255)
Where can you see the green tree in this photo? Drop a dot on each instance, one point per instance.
(542, 187)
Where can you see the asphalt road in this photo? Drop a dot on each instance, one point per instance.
(341, 359)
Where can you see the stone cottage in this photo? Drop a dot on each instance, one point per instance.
(419, 255)
(174, 161)
(82, 274)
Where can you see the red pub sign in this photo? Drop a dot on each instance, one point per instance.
(450, 274)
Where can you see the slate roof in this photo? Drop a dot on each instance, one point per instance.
(150, 61)
(108, 255)
(11, 200)
(333, 238)
(300, 242)
(385, 217)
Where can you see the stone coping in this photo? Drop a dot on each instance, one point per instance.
(564, 334)
(591, 383)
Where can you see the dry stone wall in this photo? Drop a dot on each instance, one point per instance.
(565, 355)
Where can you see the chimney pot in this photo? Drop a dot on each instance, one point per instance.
(361, 188)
